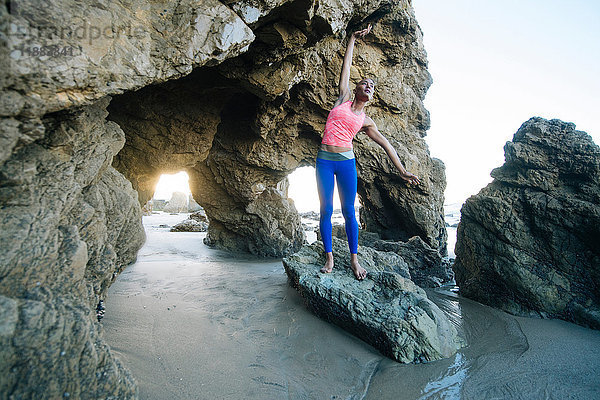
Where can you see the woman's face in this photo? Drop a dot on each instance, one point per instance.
(365, 89)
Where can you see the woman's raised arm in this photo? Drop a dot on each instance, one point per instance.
(344, 84)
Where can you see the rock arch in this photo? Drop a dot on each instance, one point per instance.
(234, 93)
(206, 124)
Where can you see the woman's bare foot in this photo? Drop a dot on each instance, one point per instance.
(359, 271)
(328, 267)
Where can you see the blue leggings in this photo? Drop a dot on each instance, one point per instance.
(345, 173)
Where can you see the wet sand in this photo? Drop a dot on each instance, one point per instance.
(191, 322)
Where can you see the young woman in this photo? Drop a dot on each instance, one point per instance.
(336, 158)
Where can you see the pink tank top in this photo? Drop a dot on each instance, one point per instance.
(342, 125)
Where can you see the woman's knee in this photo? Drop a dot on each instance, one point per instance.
(326, 211)
(348, 211)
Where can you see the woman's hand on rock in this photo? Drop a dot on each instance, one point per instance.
(410, 178)
(362, 33)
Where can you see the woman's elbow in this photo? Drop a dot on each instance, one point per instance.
(383, 142)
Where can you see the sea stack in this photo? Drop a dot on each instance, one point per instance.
(528, 242)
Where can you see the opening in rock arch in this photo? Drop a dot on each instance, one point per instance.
(170, 183)
(303, 190)
(172, 194)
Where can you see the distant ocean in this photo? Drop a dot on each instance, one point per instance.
(452, 217)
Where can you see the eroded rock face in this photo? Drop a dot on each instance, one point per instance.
(241, 127)
(386, 309)
(269, 226)
(528, 242)
(111, 48)
(69, 222)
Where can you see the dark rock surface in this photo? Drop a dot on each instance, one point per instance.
(386, 309)
(528, 242)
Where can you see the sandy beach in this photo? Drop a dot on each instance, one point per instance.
(192, 322)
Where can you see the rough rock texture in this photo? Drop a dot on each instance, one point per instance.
(116, 47)
(235, 93)
(426, 265)
(246, 203)
(386, 309)
(69, 222)
(528, 242)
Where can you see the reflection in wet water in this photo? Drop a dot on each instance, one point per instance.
(448, 385)
(500, 361)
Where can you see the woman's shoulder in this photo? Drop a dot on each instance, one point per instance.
(367, 122)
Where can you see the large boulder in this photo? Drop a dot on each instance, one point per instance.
(190, 225)
(427, 267)
(269, 226)
(386, 309)
(528, 242)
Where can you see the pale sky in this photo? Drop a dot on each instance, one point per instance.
(495, 64)
(169, 183)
